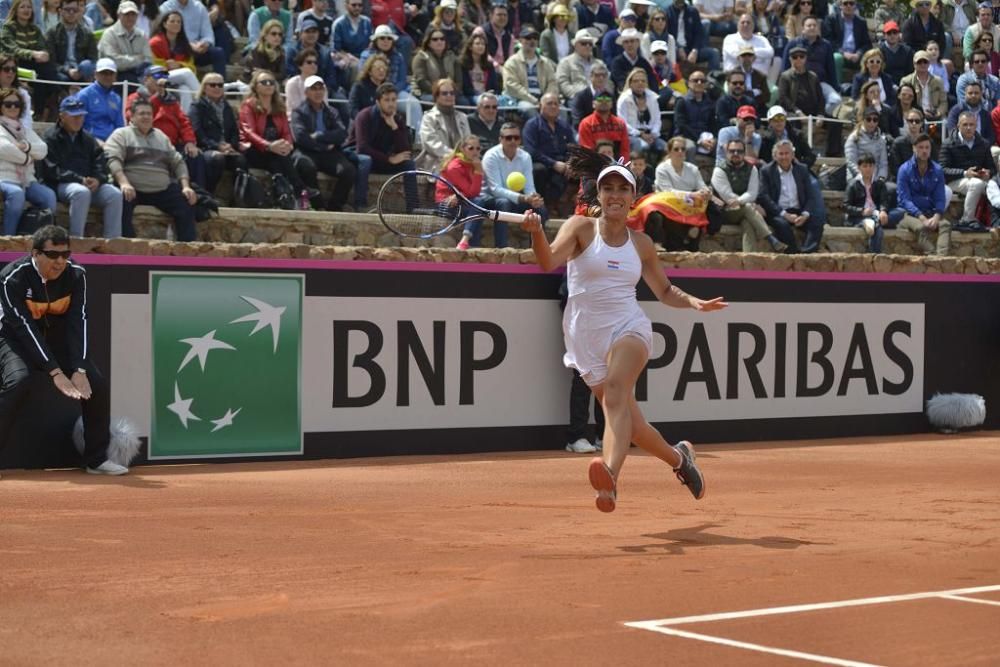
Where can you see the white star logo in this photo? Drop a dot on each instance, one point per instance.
(200, 348)
(266, 316)
(182, 407)
(225, 420)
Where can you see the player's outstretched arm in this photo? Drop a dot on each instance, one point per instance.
(665, 292)
(563, 247)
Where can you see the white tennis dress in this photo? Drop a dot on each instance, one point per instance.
(602, 306)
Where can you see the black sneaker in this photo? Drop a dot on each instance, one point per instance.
(688, 472)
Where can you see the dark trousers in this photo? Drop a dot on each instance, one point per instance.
(216, 163)
(196, 167)
(548, 183)
(14, 374)
(296, 166)
(216, 57)
(673, 236)
(579, 410)
(171, 202)
(40, 92)
(336, 164)
(784, 230)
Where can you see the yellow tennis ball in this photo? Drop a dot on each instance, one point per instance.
(516, 181)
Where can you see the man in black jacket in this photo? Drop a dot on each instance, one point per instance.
(777, 129)
(44, 328)
(77, 169)
(582, 104)
(320, 134)
(786, 199)
(967, 164)
(736, 97)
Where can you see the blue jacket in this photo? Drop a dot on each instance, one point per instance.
(104, 110)
(397, 68)
(921, 196)
(819, 59)
(545, 145)
(345, 39)
(693, 32)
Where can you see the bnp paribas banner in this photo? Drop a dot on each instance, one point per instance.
(226, 364)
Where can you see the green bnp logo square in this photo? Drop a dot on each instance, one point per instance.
(227, 369)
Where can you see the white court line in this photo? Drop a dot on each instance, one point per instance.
(827, 660)
(962, 598)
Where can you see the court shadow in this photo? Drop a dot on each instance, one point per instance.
(676, 541)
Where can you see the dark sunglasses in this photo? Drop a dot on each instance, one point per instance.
(13, 104)
(511, 137)
(979, 61)
(55, 254)
(8, 68)
(490, 106)
(437, 39)
(736, 151)
(213, 84)
(266, 82)
(699, 80)
(914, 121)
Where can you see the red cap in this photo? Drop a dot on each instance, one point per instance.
(889, 26)
(746, 111)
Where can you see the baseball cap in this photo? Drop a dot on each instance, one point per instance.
(105, 65)
(308, 23)
(619, 169)
(128, 7)
(158, 72)
(528, 31)
(73, 107)
(746, 111)
(747, 50)
(890, 26)
(658, 46)
(798, 49)
(776, 110)
(312, 81)
(921, 55)
(603, 94)
(584, 35)
(626, 14)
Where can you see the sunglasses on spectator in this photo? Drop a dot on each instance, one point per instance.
(437, 39)
(8, 68)
(13, 104)
(847, 3)
(213, 84)
(511, 137)
(736, 83)
(446, 93)
(658, 18)
(697, 80)
(490, 106)
(56, 254)
(735, 151)
(796, 56)
(975, 61)
(914, 121)
(266, 82)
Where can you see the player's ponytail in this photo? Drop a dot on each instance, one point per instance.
(585, 165)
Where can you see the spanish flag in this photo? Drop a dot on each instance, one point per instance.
(685, 208)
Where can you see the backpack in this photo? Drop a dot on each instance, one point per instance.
(205, 204)
(33, 219)
(282, 192)
(248, 192)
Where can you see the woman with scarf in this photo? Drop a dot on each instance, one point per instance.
(442, 128)
(171, 50)
(639, 107)
(20, 147)
(217, 130)
(383, 41)
(867, 138)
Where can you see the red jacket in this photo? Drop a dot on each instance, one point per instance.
(459, 173)
(593, 129)
(252, 126)
(995, 119)
(167, 118)
(385, 10)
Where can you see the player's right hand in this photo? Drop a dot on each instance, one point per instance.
(532, 222)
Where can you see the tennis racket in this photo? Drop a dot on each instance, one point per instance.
(408, 206)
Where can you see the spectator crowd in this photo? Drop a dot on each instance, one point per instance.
(708, 100)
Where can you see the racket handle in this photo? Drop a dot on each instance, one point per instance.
(513, 218)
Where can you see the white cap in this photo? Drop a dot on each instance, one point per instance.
(383, 31)
(776, 111)
(584, 35)
(448, 4)
(105, 65)
(312, 81)
(658, 45)
(648, 3)
(619, 169)
(628, 33)
(626, 13)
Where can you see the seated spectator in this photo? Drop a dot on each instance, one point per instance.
(149, 171)
(267, 137)
(736, 184)
(72, 45)
(380, 132)
(126, 45)
(985, 44)
(479, 72)
(906, 99)
(778, 129)
(867, 204)
(629, 59)
(200, 35)
(23, 39)
(983, 24)
(102, 104)
(798, 11)
(463, 168)
(320, 14)
(9, 79)
(320, 134)
(888, 10)
(431, 63)
(800, 94)
(717, 17)
(656, 31)
(692, 42)
(602, 124)
(20, 148)
(442, 127)
(665, 75)
(268, 53)
(171, 51)
(483, 121)
(326, 67)
(643, 182)
(639, 107)
(989, 84)
(270, 10)
(681, 177)
(975, 105)
(694, 117)
(498, 163)
(819, 60)
(868, 139)
(446, 20)
(744, 129)
(848, 33)
(527, 76)
(767, 21)
(217, 130)
(48, 13)
(921, 193)
(383, 42)
(928, 88)
(594, 15)
(786, 201)
(556, 40)
(902, 146)
(734, 98)
(499, 40)
(870, 102)
(897, 54)
(922, 26)
(871, 70)
(295, 89)
(755, 83)
(943, 69)
(352, 32)
(77, 169)
(373, 74)
(611, 46)
(582, 104)
(546, 138)
(743, 38)
(967, 164)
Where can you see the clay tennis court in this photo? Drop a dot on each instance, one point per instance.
(502, 559)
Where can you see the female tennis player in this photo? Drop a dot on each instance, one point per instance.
(608, 337)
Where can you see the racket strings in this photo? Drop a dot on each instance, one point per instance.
(408, 205)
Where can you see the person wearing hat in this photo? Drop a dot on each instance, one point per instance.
(756, 83)
(201, 36)
(384, 41)
(499, 40)
(656, 31)
(320, 14)
(101, 102)
(573, 72)
(603, 124)
(898, 56)
(867, 138)
(527, 75)
(642, 9)
(895, 10)
(922, 26)
(595, 16)
(736, 183)
(71, 44)
(77, 169)
(684, 23)
(717, 17)
(800, 93)
(983, 24)
(556, 41)
(309, 38)
(848, 32)
(745, 129)
(352, 32)
(629, 59)
(610, 45)
(582, 104)
(665, 73)
(320, 133)
(819, 59)
(126, 45)
(929, 89)
(743, 38)
(446, 20)
(778, 129)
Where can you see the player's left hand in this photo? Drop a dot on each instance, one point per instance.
(718, 303)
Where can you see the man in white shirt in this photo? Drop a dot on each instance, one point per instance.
(500, 162)
(744, 37)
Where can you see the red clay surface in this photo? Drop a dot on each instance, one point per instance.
(503, 559)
